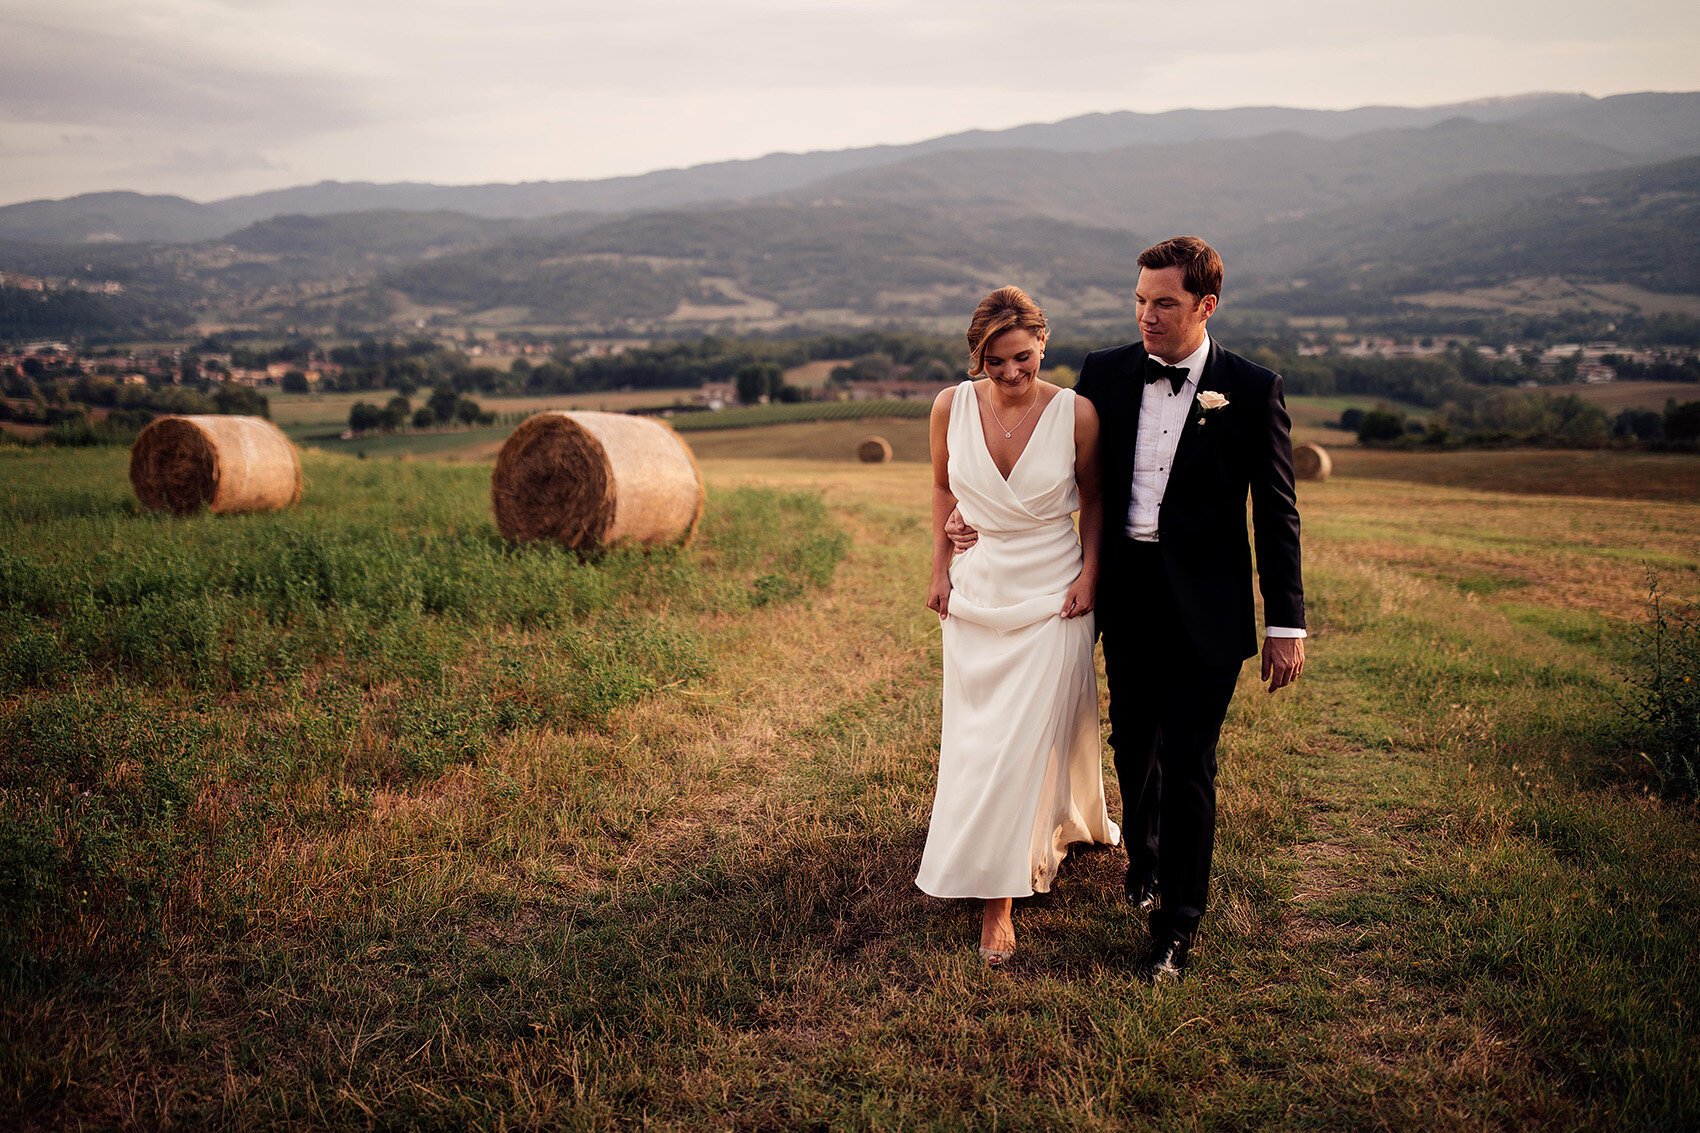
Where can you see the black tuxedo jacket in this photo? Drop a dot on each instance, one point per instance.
(1223, 454)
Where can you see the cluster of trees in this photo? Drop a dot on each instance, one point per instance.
(1376, 313)
(366, 365)
(882, 367)
(444, 407)
(411, 366)
(715, 358)
(1428, 381)
(1685, 370)
(90, 409)
(408, 367)
(1679, 424)
(45, 393)
(71, 313)
(1489, 417)
(759, 380)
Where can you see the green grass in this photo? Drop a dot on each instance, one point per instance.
(1444, 896)
(175, 688)
(449, 444)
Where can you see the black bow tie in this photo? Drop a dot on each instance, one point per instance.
(1155, 370)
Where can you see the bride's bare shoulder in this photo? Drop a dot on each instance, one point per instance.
(942, 404)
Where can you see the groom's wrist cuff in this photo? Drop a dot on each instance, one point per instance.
(1282, 631)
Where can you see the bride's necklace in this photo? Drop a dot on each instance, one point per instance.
(1009, 433)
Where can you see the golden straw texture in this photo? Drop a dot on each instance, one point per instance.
(1311, 462)
(224, 464)
(590, 480)
(873, 450)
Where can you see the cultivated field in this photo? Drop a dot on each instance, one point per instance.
(815, 440)
(301, 414)
(1546, 295)
(1556, 472)
(813, 375)
(353, 817)
(1616, 396)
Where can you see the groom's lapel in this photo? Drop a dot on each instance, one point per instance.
(1133, 388)
(1210, 378)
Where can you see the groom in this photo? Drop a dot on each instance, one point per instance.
(1188, 430)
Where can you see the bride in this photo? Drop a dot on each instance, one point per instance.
(1020, 774)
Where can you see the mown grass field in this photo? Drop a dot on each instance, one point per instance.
(814, 440)
(1615, 396)
(353, 817)
(1558, 472)
(303, 415)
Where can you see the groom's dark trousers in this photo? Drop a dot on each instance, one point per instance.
(1166, 710)
(1177, 615)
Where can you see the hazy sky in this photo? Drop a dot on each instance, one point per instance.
(212, 98)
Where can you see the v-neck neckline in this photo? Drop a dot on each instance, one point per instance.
(986, 445)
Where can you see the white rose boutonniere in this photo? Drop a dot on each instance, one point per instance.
(1209, 400)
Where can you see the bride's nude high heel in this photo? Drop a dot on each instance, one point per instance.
(995, 957)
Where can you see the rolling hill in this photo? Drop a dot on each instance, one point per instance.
(869, 259)
(1336, 211)
(1645, 126)
(1221, 187)
(1639, 226)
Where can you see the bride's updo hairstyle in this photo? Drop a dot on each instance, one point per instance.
(1007, 308)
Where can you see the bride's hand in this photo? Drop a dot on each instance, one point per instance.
(938, 597)
(1080, 597)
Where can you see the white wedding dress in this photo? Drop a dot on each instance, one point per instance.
(1020, 770)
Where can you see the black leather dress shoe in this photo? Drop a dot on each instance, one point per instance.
(1142, 894)
(1166, 962)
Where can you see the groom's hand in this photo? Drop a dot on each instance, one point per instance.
(1283, 661)
(961, 535)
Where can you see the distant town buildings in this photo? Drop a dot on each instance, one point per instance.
(40, 284)
(1589, 362)
(896, 390)
(717, 395)
(1370, 346)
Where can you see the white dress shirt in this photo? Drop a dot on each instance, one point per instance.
(1162, 415)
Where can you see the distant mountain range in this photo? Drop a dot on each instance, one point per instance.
(1370, 202)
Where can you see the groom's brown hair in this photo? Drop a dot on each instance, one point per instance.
(1200, 264)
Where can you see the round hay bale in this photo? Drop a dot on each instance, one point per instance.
(873, 450)
(590, 480)
(224, 464)
(1310, 462)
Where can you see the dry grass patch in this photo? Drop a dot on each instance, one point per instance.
(815, 441)
(697, 909)
(1616, 396)
(1604, 474)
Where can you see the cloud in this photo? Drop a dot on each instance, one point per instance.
(139, 73)
(213, 97)
(190, 97)
(209, 162)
